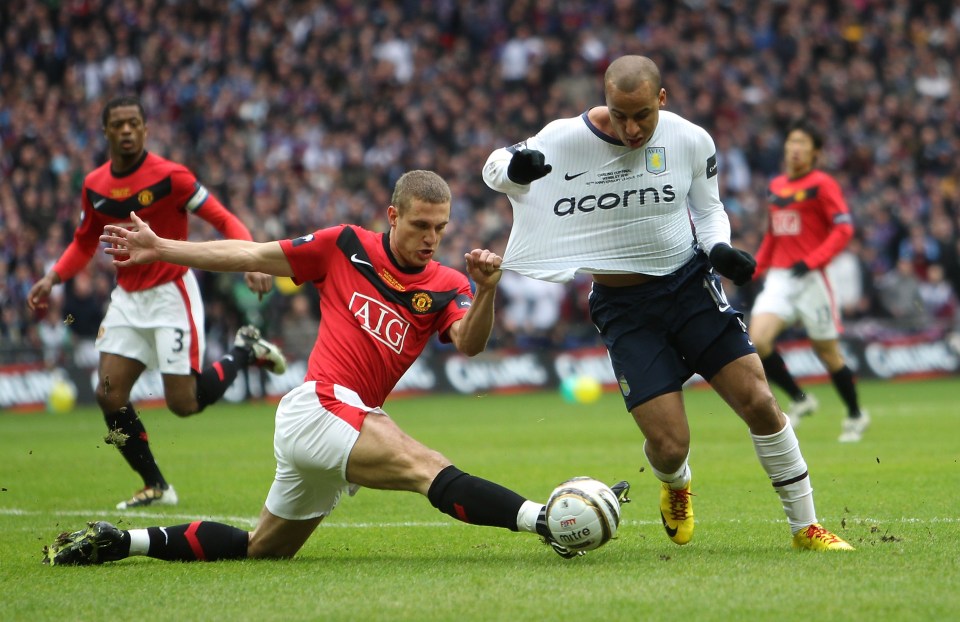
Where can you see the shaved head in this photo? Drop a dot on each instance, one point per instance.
(627, 73)
(631, 87)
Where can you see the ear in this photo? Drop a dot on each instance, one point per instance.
(393, 214)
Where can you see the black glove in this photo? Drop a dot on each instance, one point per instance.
(527, 165)
(799, 269)
(733, 263)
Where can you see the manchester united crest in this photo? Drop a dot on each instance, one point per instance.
(145, 197)
(421, 302)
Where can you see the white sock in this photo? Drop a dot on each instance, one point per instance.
(781, 458)
(139, 542)
(676, 480)
(527, 516)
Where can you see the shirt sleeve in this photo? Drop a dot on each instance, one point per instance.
(455, 310)
(86, 241)
(201, 202)
(309, 255)
(495, 169)
(841, 229)
(764, 254)
(706, 210)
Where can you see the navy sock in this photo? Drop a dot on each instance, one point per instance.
(135, 447)
(202, 541)
(474, 500)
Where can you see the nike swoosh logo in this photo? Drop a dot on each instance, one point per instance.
(670, 532)
(99, 204)
(568, 176)
(356, 259)
(166, 538)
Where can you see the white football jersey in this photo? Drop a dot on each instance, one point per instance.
(606, 208)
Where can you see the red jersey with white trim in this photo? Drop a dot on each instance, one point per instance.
(375, 317)
(162, 193)
(808, 221)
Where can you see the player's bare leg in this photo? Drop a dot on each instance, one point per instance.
(663, 422)
(764, 329)
(180, 392)
(125, 430)
(117, 374)
(277, 537)
(742, 385)
(385, 457)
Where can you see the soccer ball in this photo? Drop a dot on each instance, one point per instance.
(62, 396)
(583, 514)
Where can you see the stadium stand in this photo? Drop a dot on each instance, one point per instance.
(302, 113)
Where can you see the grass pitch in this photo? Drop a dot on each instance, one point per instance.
(391, 556)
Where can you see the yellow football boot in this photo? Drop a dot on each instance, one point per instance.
(815, 538)
(676, 512)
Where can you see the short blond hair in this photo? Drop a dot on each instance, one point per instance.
(424, 185)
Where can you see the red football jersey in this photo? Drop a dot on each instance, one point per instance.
(808, 221)
(375, 317)
(162, 193)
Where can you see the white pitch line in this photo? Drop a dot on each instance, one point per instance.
(247, 520)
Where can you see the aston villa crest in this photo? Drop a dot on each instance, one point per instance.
(656, 158)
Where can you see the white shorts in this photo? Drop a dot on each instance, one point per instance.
(162, 327)
(807, 299)
(312, 446)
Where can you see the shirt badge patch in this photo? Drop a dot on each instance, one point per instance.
(421, 302)
(656, 158)
(624, 385)
(145, 197)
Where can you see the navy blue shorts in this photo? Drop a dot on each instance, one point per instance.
(660, 333)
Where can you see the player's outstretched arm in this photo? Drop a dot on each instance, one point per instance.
(140, 245)
(470, 334)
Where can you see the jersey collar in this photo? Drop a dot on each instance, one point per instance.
(393, 260)
(130, 171)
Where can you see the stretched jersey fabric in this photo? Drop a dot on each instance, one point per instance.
(809, 221)
(606, 208)
(376, 317)
(162, 193)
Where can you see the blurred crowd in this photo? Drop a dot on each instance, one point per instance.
(301, 114)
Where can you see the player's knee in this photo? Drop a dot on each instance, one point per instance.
(829, 354)
(110, 401)
(763, 336)
(764, 347)
(262, 552)
(760, 411)
(183, 407)
(762, 341)
(260, 547)
(667, 451)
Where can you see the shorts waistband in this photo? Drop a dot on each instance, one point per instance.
(664, 283)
